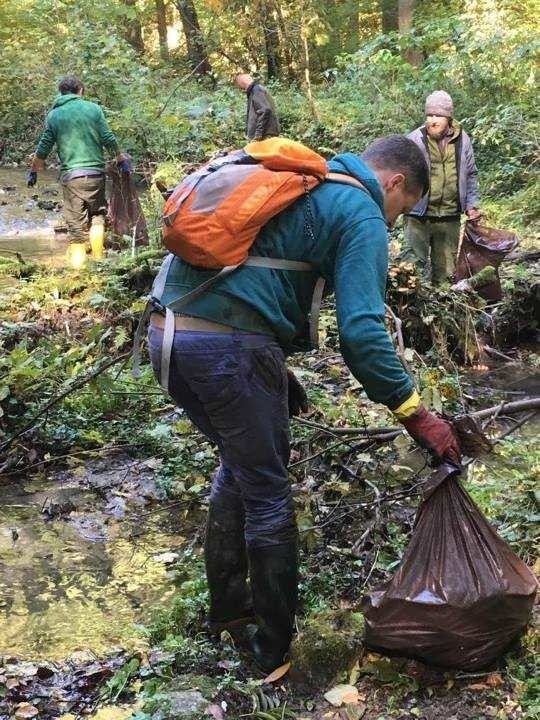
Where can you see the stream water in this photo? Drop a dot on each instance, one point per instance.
(83, 559)
(28, 216)
(83, 554)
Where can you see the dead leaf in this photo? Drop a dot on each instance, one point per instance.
(225, 664)
(278, 673)
(25, 711)
(353, 712)
(477, 686)
(215, 711)
(342, 695)
(494, 679)
(354, 673)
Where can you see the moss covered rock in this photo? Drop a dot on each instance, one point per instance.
(325, 649)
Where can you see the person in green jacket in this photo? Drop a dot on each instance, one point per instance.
(226, 369)
(80, 132)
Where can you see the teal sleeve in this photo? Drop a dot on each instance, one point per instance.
(46, 141)
(360, 281)
(108, 138)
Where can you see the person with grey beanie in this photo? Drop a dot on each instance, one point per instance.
(432, 227)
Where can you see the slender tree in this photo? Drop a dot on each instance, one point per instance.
(197, 53)
(287, 42)
(271, 38)
(405, 21)
(161, 17)
(306, 62)
(389, 15)
(133, 30)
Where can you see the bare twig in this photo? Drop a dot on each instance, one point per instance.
(399, 337)
(389, 433)
(516, 426)
(498, 354)
(58, 398)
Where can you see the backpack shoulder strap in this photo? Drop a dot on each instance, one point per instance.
(346, 180)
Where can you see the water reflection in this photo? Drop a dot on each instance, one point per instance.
(59, 591)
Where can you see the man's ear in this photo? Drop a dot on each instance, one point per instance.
(395, 181)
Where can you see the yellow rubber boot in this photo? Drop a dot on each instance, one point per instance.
(97, 236)
(76, 255)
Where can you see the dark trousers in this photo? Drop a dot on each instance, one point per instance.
(234, 389)
(83, 198)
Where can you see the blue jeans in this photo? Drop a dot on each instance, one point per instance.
(234, 389)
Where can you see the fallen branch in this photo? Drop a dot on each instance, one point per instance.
(389, 433)
(498, 354)
(398, 325)
(58, 398)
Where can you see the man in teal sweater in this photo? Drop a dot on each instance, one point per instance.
(80, 132)
(227, 370)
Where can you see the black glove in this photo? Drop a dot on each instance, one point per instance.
(31, 178)
(298, 399)
(124, 162)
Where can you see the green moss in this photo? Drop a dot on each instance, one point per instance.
(326, 647)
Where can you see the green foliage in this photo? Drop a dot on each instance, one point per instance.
(120, 680)
(482, 54)
(172, 627)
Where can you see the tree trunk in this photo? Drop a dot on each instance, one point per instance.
(307, 76)
(271, 39)
(133, 30)
(405, 22)
(389, 15)
(287, 42)
(161, 17)
(197, 54)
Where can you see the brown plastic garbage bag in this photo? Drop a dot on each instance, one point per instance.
(460, 595)
(125, 212)
(482, 246)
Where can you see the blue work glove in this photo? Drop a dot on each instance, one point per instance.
(31, 178)
(124, 163)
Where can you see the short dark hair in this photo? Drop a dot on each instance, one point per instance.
(399, 154)
(70, 84)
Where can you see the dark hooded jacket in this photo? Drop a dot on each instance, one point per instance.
(262, 120)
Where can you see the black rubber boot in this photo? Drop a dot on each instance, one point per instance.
(273, 573)
(226, 569)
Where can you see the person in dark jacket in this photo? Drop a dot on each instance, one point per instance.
(80, 132)
(225, 366)
(261, 119)
(432, 228)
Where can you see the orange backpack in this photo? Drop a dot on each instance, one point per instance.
(214, 215)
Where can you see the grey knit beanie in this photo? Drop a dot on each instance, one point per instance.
(440, 103)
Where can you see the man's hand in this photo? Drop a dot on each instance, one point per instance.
(123, 160)
(31, 178)
(434, 434)
(473, 214)
(298, 399)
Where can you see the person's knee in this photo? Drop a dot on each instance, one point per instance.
(271, 522)
(225, 490)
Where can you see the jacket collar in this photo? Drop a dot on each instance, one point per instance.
(351, 164)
